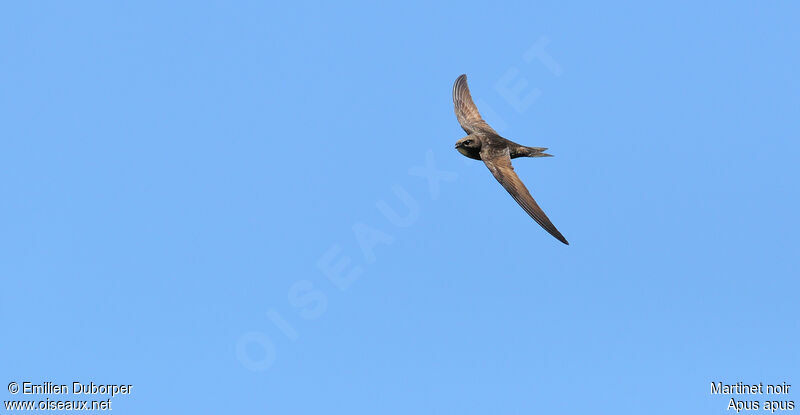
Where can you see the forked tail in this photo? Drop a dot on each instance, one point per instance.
(533, 152)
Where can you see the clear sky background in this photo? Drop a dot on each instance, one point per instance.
(180, 182)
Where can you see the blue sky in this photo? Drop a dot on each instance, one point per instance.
(228, 205)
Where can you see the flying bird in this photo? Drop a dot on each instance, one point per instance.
(483, 143)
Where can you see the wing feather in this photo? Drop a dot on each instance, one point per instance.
(466, 111)
(499, 163)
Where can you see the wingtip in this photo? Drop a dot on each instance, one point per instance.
(556, 234)
(561, 239)
(458, 86)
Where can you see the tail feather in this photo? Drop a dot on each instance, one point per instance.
(524, 151)
(538, 152)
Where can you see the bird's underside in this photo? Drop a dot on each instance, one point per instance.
(483, 143)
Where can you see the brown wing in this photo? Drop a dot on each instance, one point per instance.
(466, 111)
(499, 163)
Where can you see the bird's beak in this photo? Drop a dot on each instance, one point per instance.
(458, 145)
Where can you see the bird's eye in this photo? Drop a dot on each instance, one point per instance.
(468, 142)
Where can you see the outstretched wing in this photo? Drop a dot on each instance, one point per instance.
(466, 111)
(499, 163)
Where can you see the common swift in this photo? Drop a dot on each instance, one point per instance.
(483, 143)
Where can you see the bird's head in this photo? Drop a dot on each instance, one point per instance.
(469, 146)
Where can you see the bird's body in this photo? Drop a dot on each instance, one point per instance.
(494, 140)
(483, 143)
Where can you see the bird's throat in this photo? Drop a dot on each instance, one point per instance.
(471, 153)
